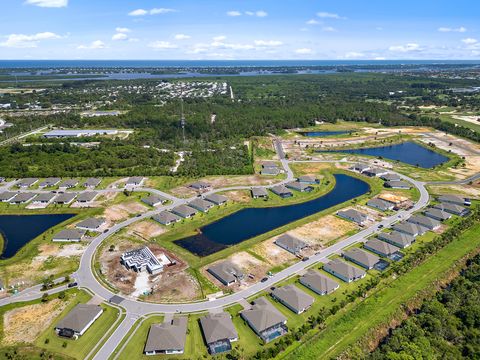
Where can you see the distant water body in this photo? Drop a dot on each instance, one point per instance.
(216, 63)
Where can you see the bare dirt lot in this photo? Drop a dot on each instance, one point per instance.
(119, 212)
(241, 196)
(323, 231)
(145, 229)
(25, 324)
(472, 191)
(248, 263)
(274, 254)
(173, 284)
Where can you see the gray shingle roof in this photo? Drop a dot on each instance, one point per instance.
(437, 214)
(134, 180)
(23, 197)
(153, 200)
(68, 183)
(200, 204)
(318, 282)
(353, 215)
(293, 297)
(397, 184)
(184, 210)
(167, 336)
(27, 182)
(216, 199)
(423, 220)
(80, 316)
(69, 234)
(454, 199)
(50, 182)
(451, 208)
(380, 204)
(397, 238)
(166, 217)
(299, 186)
(87, 196)
(381, 247)
(6, 195)
(361, 257)
(65, 198)
(263, 315)
(218, 327)
(259, 191)
(44, 197)
(290, 243)
(91, 223)
(226, 272)
(92, 182)
(199, 185)
(280, 190)
(342, 268)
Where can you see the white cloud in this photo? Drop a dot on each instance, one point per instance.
(219, 38)
(268, 43)
(162, 45)
(182, 37)
(48, 3)
(261, 13)
(329, 29)
(312, 22)
(379, 58)
(304, 51)
(97, 44)
(411, 47)
(120, 37)
(154, 11)
(354, 55)
(460, 29)
(327, 15)
(469, 41)
(122, 30)
(234, 13)
(28, 41)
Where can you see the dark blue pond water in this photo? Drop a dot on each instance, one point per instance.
(323, 133)
(407, 152)
(248, 223)
(18, 230)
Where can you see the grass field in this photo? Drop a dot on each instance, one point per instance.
(346, 328)
(80, 348)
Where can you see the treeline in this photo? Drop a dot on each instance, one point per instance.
(446, 327)
(109, 158)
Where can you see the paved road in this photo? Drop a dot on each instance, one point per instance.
(135, 309)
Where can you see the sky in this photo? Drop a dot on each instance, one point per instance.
(240, 29)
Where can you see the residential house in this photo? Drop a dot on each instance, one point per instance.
(299, 186)
(92, 183)
(23, 198)
(87, 196)
(65, 198)
(281, 191)
(424, 221)
(397, 238)
(452, 209)
(290, 243)
(49, 182)
(218, 332)
(68, 184)
(134, 181)
(44, 198)
(226, 272)
(143, 259)
(216, 199)
(166, 218)
(409, 228)
(390, 177)
(381, 248)
(26, 183)
(360, 168)
(167, 338)
(454, 199)
(375, 172)
(354, 215)
(397, 184)
(201, 205)
(344, 271)
(265, 319)
(200, 186)
(308, 179)
(184, 211)
(6, 196)
(293, 298)
(154, 200)
(78, 320)
(437, 214)
(380, 204)
(90, 224)
(259, 192)
(361, 257)
(69, 235)
(318, 282)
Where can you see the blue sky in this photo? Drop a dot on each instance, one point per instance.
(239, 29)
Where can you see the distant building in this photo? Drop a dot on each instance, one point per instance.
(144, 259)
(454, 199)
(167, 338)
(437, 214)
(78, 320)
(166, 218)
(134, 181)
(218, 332)
(409, 228)
(344, 271)
(375, 172)
(318, 282)
(293, 298)
(264, 318)
(92, 183)
(44, 198)
(226, 272)
(87, 196)
(360, 168)
(397, 238)
(200, 186)
(380, 204)
(290, 243)
(390, 177)
(271, 171)
(308, 179)
(23, 198)
(49, 182)
(6, 196)
(26, 183)
(452, 209)
(299, 186)
(68, 184)
(381, 248)
(78, 133)
(425, 221)
(65, 198)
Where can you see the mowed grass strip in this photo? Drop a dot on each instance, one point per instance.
(347, 328)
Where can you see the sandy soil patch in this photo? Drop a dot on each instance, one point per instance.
(312, 168)
(474, 119)
(173, 284)
(274, 254)
(241, 196)
(323, 231)
(63, 250)
(25, 324)
(145, 229)
(117, 184)
(253, 268)
(466, 190)
(247, 180)
(182, 192)
(123, 211)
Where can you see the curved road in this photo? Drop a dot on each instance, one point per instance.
(136, 309)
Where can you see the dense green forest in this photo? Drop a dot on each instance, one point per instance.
(445, 327)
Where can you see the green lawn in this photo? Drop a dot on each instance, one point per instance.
(81, 347)
(344, 329)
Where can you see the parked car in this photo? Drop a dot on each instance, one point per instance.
(72, 284)
(264, 279)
